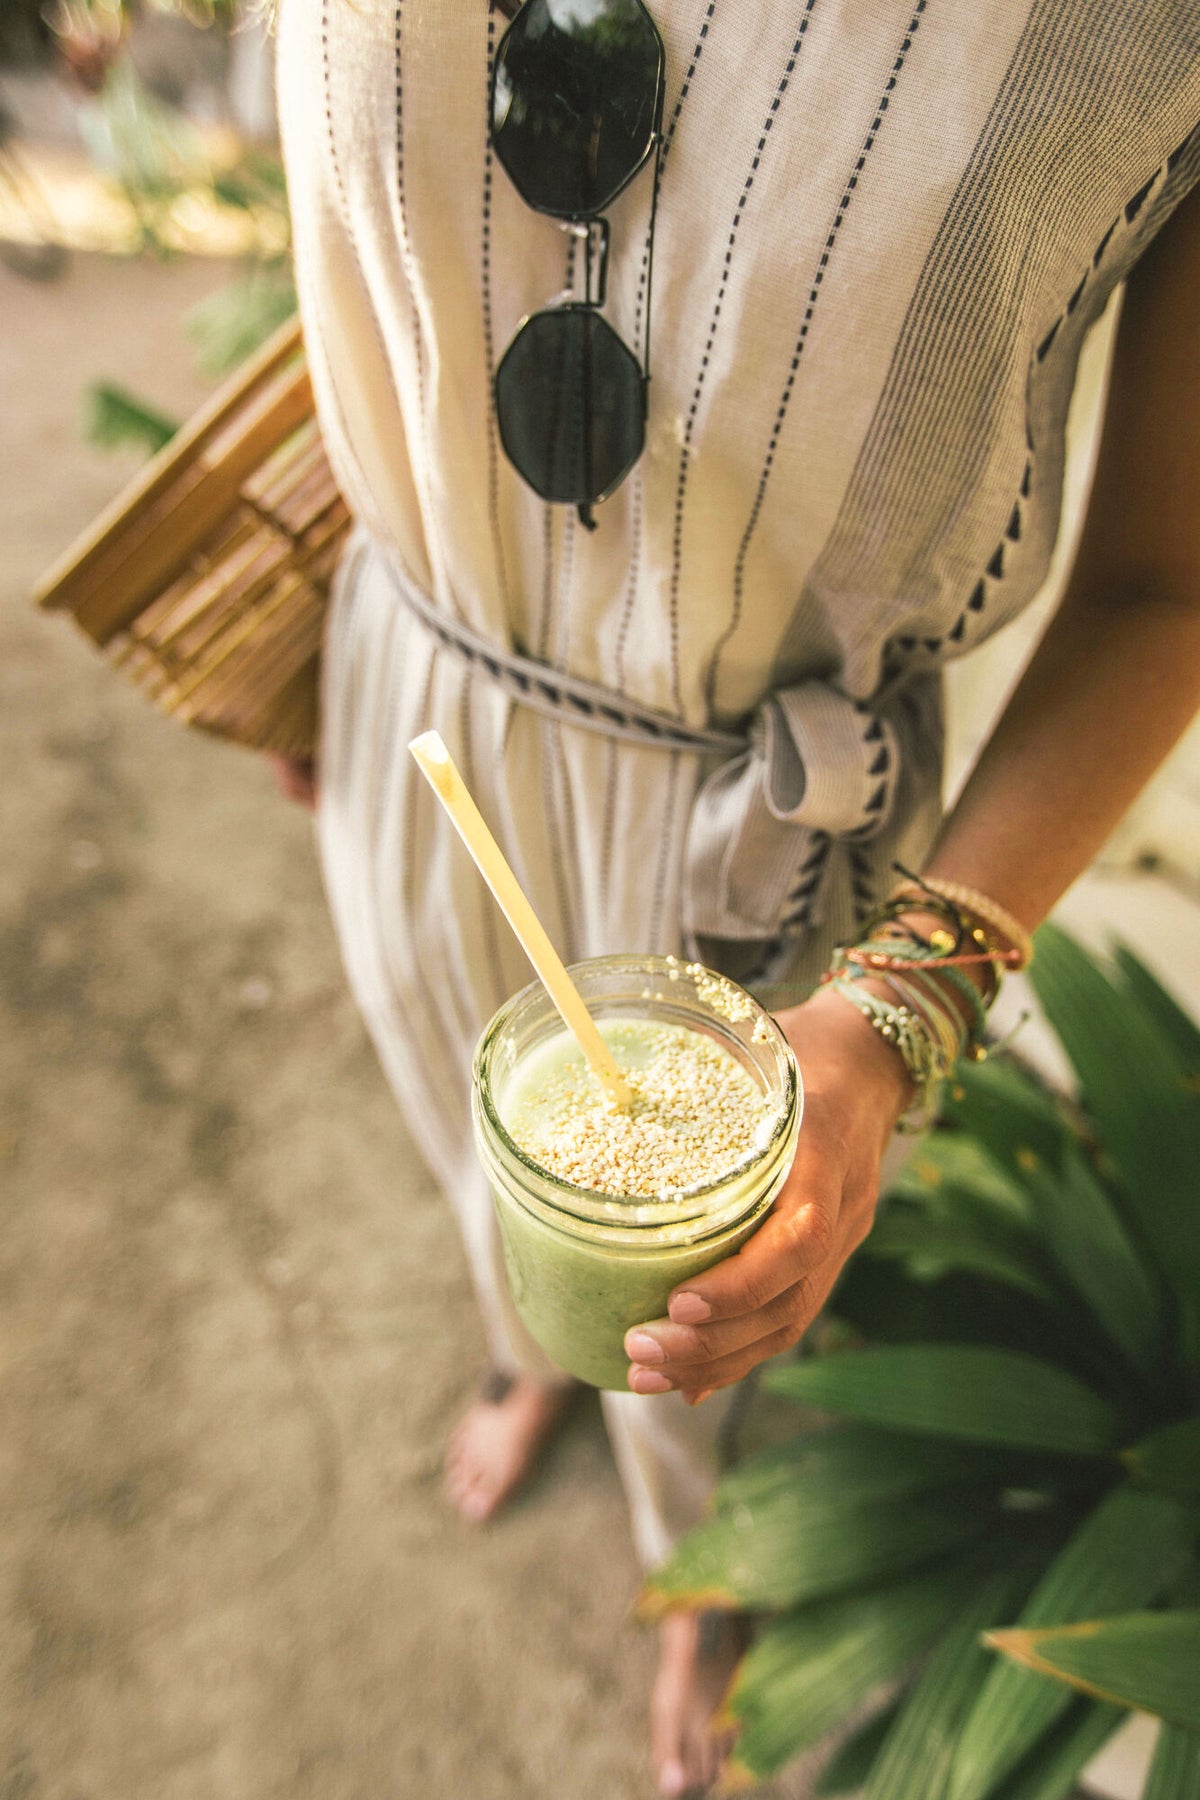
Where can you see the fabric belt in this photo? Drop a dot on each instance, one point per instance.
(813, 767)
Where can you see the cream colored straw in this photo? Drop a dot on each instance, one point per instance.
(438, 768)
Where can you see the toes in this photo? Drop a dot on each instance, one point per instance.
(470, 1487)
(471, 1498)
(497, 1444)
(463, 1482)
(666, 1751)
(672, 1778)
(710, 1761)
(480, 1471)
(693, 1674)
(476, 1506)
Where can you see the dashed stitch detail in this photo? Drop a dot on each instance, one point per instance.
(843, 207)
(567, 533)
(689, 423)
(344, 215)
(803, 896)
(466, 714)
(635, 553)
(488, 343)
(552, 767)
(995, 565)
(334, 158)
(543, 638)
(406, 251)
(668, 139)
(862, 886)
(660, 880)
(544, 692)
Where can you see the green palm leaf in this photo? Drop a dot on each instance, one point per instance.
(1147, 1119)
(1169, 1459)
(999, 1110)
(884, 1306)
(1025, 1208)
(1049, 1771)
(916, 1756)
(853, 1464)
(812, 1666)
(982, 1245)
(797, 1546)
(957, 1390)
(1035, 1298)
(118, 419)
(1084, 1236)
(1175, 1771)
(1150, 1660)
(951, 1168)
(1161, 1009)
(850, 1764)
(1125, 1554)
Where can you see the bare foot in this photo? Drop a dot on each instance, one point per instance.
(697, 1653)
(498, 1441)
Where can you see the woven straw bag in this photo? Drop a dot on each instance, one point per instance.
(207, 579)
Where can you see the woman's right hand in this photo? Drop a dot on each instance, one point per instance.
(295, 777)
(759, 1301)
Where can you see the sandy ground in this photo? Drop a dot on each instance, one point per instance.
(236, 1321)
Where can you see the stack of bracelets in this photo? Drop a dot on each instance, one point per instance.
(931, 1010)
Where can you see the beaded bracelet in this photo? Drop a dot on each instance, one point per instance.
(884, 956)
(922, 1022)
(929, 1015)
(908, 1032)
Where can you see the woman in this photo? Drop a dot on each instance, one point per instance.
(882, 232)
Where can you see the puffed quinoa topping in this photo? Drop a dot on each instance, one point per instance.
(697, 1115)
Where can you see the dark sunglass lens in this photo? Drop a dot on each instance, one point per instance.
(569, 404)
(576, 101)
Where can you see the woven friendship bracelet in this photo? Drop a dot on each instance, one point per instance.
(884, 956)
(971, 901)
(927, 989)
(933, 1012)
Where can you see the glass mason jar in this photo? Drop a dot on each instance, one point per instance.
(585, 1266)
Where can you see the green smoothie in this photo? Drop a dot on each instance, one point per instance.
(603, 1214)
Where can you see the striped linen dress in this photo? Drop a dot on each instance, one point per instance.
(884, 228)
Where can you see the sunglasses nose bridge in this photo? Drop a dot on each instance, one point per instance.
(596, 292)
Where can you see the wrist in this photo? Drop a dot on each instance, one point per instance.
(888, 983)
(825, 1034)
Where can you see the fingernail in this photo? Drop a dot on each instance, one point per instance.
(689, 1309)
(642, 1348)
(672, 1778)
(699, 1395)
(648, 1381)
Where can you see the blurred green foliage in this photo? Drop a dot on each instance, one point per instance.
(158, 159)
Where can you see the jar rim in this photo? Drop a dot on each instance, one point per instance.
(642, 1209)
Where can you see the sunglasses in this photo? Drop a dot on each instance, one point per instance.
(576, 111)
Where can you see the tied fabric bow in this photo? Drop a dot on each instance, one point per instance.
(817, 766)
